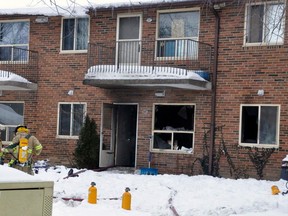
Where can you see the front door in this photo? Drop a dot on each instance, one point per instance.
(118, 135)
(128, 40)
(107, 138)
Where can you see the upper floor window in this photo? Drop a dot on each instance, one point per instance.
(173, 127)
(11, 115)
(259, 125)
(177, 33)
(75, 34)
(265, 23)
(70, 118)
(14, 40)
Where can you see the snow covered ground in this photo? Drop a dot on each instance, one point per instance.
(161, 195)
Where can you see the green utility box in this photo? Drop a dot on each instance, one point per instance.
(26, 198)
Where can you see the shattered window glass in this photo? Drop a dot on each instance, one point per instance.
(173, 127)
(259, 124)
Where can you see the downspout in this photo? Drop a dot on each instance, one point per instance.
(214, 87)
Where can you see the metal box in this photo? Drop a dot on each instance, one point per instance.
(31, 198)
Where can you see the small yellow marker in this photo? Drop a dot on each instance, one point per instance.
(92, 194)
(275, 190)
(126, 199)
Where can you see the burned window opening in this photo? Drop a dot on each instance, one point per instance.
(259, 125)
(173, 127)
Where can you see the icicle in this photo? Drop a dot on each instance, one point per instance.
(95, 12)
(112, 9)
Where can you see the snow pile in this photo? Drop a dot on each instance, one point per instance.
(8, 174)
(140, 72)
(157, 195)
(160, 195)
(69, 7)
(9, 76)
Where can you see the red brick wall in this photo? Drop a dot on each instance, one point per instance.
(241, 72)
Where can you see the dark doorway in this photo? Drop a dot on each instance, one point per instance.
(126, 135)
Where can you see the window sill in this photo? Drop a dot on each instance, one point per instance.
(262, 45)
(14, 62)
(167, 151)
(73, 51)
(66, 137)
(259, 145)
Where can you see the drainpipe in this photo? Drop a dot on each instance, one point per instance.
(214, 85)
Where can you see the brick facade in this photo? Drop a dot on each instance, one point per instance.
(242, 71)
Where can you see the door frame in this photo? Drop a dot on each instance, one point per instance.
(111, 153)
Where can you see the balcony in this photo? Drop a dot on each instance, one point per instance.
(18, 69)
(174, 63)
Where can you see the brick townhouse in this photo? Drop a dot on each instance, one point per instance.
(192, 87)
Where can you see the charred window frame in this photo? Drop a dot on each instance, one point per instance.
(71, 117)
(173, 127)
(265, 23)
(259, 125)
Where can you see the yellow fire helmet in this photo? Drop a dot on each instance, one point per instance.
(21, 129)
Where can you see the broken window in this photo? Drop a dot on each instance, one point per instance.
(173, 127)
(259, 124)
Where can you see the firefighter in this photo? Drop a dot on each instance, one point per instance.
(23, 147)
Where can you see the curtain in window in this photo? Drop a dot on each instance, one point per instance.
(268, 125)
(68, 34)
(180, 27)
(82, 34)
(265, 23)
(15, 34)
(78, 118)
(178, 24)
(255, 23)
(71, 118)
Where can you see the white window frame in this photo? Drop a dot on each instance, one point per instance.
(75, 35)
(259, 145)
(172, 132)
(71, 118)
(185, 56)
(12, 127)
(263, 42)
(17, 45)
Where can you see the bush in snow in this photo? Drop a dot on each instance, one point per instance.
(86, 154)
